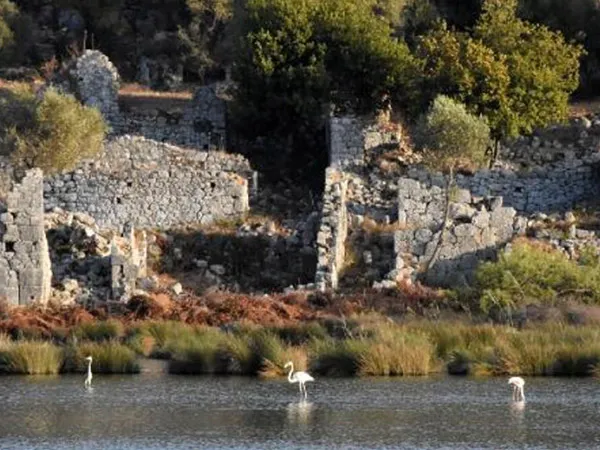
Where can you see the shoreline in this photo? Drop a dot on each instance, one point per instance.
(364, 345)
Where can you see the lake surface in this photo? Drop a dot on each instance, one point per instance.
(154, 411)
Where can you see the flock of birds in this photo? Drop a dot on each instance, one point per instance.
(301, 377)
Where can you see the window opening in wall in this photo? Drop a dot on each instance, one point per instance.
(129, 183)
(9, 247)
(213, 185)
(119, 200)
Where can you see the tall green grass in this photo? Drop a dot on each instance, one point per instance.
(396, 351)
(105, 330)
(29, 357)
(108, 357)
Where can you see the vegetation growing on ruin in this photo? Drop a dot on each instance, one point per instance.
(51, 131)
(450, 134)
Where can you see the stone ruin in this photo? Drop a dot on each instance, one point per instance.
(86, 267)
(128, 262)
(25, 270)
(440, 236)
(94, 80)
(353, 137)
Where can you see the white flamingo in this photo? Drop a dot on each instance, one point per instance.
(88, 379)
(518, 385)
(298, 377)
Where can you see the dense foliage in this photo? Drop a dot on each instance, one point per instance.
(536, 275)
(15, 30)
(300, 57)
(293, 60)
(519, 75)
(53, 132)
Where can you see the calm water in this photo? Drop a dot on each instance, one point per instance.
(168, 412)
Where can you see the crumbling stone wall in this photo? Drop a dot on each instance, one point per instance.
(94, 80)
(201, 124)
(550, 172)
(25, 272)
(128, 262)
(152, 184)
(445, 233)
(350, 137)
(479, 214)
(331, 237)
(578, 138)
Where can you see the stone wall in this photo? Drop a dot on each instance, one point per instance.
(151, 184)
(201, 124)
(25, 272)
(549, 188)
(351, 137)
(331, 237)
(95, 81)
(550, 172)
(445, 234)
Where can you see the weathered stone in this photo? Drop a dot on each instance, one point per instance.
(25, 271)
(217, 269)
(460, 211)
(176, 288)
(125, 183)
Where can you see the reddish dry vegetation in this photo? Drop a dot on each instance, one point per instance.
(222, 308)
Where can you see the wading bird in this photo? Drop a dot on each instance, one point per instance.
(88, 379)
(298, 377)
(517, 383)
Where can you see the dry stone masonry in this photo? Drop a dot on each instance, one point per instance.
(25, 272)
(94, 80)
(445, 234)
(128, 263)
(201, 124)
(151, 184)
(442, 235)
(333, 231)
(351, 137)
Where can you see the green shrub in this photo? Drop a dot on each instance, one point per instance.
(105, 330)
(30, 358)
(53, 133)
(452, 135)
(16, 31)
(529, 274)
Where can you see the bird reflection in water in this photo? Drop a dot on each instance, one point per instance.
(517, 410)
(300, 412)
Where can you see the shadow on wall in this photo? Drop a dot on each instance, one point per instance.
(204, 261)
(78, 257)
(369, 256)
(458, 271)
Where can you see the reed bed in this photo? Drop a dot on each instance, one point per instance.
(108, 357)
(359, 346)
(29, 357)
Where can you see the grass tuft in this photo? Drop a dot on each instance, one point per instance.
(108, 357)
(29, 357)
